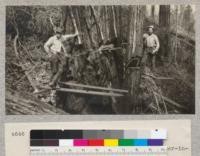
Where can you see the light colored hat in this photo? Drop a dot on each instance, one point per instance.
(58, 30)
(151, 26)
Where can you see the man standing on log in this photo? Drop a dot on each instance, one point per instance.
(151, 47)
(57, 53)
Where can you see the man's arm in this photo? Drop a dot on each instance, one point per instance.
(70, 35)
(157, 44)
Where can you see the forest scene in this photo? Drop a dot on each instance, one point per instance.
(137, 59)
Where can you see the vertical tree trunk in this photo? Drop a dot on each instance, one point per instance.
(134, 49)
(97, 24)
(64, 18)
(176, 47)
(120, 20)
(153, 12)
(164, 23)
(164, 16)
(114, 22)
(135, 31)
(88, 32)
(132, 31)
(106, 26)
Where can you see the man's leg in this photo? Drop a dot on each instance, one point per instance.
(149, 60)
(153, 62)
(61, 65)
(144, 59)
(53, 66)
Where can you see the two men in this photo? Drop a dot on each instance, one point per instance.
(57, 53)
(151, 47)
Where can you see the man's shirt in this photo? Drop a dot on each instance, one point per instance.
(151, 41)
(56, 45)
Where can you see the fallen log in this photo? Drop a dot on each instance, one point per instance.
(26, 104)
(170, 101)
(79, 91)
(94, 87)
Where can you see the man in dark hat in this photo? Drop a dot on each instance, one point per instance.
(151, 47)
(57, 53)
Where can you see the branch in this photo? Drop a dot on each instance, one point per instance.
(52, 23)
(74, 24)
(159, 78)
(20, 63)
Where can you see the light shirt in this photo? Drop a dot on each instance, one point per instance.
(56, 45)
(151, 41)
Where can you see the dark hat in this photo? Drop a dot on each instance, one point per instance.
(58, 30)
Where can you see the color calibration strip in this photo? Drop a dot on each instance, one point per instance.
(71, 138)
(98, 142)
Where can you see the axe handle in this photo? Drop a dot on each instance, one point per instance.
(74, 24)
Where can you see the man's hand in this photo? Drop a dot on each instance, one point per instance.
(49, 56)
(68, 55)
(154, 51)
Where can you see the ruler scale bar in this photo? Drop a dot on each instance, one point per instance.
(100, 150)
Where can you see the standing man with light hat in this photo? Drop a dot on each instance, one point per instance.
(151, 47)
(57, 53)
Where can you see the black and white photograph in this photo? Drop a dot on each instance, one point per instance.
(100, 60)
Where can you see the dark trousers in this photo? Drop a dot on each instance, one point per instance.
(149, 59)
(58, 63)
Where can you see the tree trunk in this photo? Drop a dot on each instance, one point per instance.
(97, 24)
(132, 31)
(135, 31)
(107, 23)
(164, 23)
(164, 16)
(114, 22)
(135, 49)
(153, 12)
